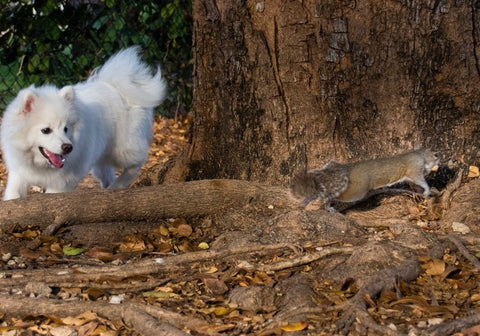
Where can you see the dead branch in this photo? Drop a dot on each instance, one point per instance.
(298, 261)
(453, 326)
(144, 319)
(88, 276)
(195, 198)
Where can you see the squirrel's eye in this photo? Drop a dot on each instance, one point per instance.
(46, 130)
(65, 129)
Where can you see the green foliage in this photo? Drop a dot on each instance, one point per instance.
(62, 41)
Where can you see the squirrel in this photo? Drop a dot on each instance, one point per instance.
(352, 182)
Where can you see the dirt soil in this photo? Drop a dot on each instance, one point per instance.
(393, 265)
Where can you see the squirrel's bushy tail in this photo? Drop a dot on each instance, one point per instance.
(132, 78)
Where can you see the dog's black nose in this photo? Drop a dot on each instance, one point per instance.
(67, 148)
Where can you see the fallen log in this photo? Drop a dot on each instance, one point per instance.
(194, 198)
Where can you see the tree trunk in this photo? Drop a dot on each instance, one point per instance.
(284, 85)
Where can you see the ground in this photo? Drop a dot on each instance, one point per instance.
(394, 265)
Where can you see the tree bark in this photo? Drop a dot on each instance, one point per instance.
(195, 198)
(134, 315)
(280, 86)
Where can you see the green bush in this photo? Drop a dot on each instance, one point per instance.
(61, 41)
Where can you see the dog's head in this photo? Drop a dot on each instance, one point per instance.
(46, 120)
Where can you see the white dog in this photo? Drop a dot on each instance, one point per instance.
(53, 137)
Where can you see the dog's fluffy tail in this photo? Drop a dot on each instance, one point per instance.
(132, 78)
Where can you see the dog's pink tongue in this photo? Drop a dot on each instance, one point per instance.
(55, 159)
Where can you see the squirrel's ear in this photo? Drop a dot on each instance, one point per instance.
(417, 145)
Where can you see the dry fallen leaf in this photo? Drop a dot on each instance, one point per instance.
(101, 253)
(296, 326)
(211, 270)
(132, 244)
(80, 319)
(220, 311)
(88, 328)
(160, 295)
(215, 286)
(184, 230)
(434, 267)
(27, 234)
(473, 171)
(94, 293)
(163, 230)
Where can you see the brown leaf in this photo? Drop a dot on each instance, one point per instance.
(56, 248)
(101, 253)
(94, 293)
(87, 329)
(213, 329)
(132, 244)
(162, 229)
(434, 267)
(215, 286)
(388, 296)
(184, 230)
(163, 246)
(185, 246)
(211, 270)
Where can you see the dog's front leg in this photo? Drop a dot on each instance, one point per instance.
(125, 178)
(16, 187)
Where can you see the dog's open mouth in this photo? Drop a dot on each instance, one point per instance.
(55, 160)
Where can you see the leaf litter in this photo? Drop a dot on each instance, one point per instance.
(447, 288)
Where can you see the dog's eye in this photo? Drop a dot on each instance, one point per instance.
(46, 130)
(65, 129)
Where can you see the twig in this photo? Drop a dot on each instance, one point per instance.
(298, 261)
(19, 72)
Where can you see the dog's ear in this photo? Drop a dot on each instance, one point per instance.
(27, 98)
(67, 93)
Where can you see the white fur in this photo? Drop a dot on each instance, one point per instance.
(107, 120)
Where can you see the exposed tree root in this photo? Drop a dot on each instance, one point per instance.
(144, 319)
(375, 262)
(442, 202)
(298, 261)
(90, 276)
(356, 307)
(453, 326)
(50, 211)
(463, 250)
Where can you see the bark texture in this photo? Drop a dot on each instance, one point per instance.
(194, 198)
(283, 85)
